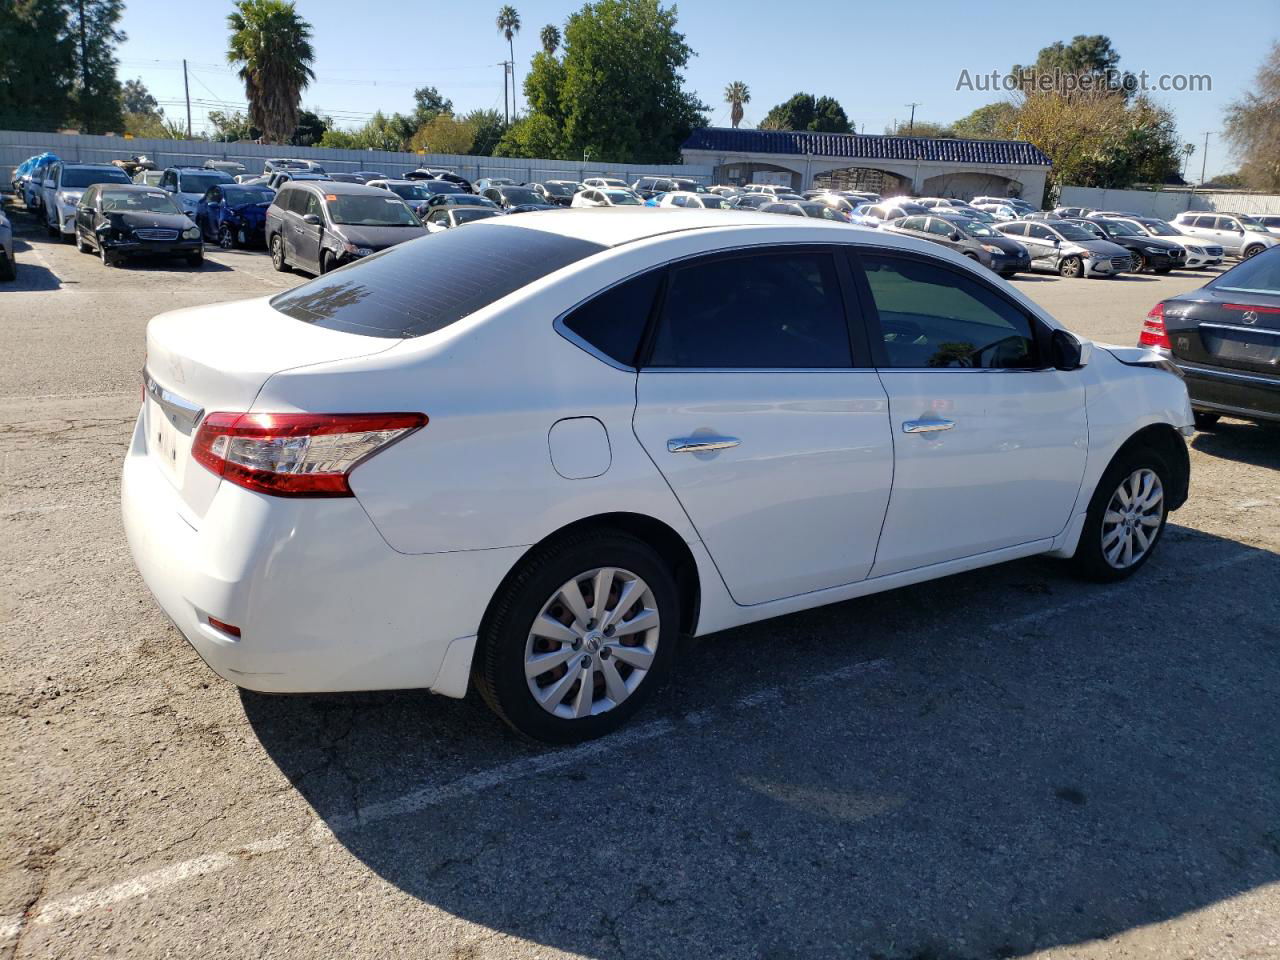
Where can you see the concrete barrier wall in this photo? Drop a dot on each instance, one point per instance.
(1167, 204)
(17, 146)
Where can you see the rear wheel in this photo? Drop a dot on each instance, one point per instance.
(1071, 267)
(80, 244)
(580, 637)
(1126, 517)
(1205, 419)
(277, 254)
(1251, 251)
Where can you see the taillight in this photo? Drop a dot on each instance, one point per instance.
(296, 454)
(1153, 331)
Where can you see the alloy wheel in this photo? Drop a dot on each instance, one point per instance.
(1132, 519)
(592, 643)
(224, 237)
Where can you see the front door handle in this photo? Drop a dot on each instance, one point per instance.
(926, 426)
(701, 444)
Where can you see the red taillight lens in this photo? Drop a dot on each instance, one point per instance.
(1153, 331)
(226, 628)
(296, 454)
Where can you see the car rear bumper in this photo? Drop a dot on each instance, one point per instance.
(322, 602)
(1250, 396)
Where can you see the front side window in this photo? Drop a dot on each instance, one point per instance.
(762, 311)
(931, 316)
(940, 227)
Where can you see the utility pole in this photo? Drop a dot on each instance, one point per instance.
(1204, 159)
(186, 89)
(911, 124)
(506, 114)
(84, 63)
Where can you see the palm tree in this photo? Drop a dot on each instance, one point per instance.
(550, 37)
(272, 45)
(508, 23)
(736, 94)
(1187, 150)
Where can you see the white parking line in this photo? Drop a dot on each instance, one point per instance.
(318, 831)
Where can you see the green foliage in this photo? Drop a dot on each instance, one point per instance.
(272, 45)
(37, 65)
(136, 98)
(443, 134)
(1252, 126)
(550, 37)
(986, 123)
(311, 127)
(488, 127)
(804, 111)
(736, 94)
(382, 132)
(148, 125)
(427, 105)
(230, 127)
(92, 24)
(535, 135)
(924, 128)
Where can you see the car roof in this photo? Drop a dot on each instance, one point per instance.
(127, 187)
(88, 166)
(334, 186)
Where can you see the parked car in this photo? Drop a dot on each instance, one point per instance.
(751, 201)
(969, 238)
(894, 209)
(64, 185)
(706, 201)
(1239, 236)
(513, 196)
(291, 165)
(942, 203)
(648, 187)
(1198, 253)
(605, 183)
(189, 184)
(279, 178)
(120, 221)
(726, 190)
(364, 176)
(150, 178)
(460, 200)
(1067, 248)
(429, 174)
(606, 197)
(135, 164)
(863, 217)
(1072, 213)
(484, 183)
(345, 178)
(1272, 223)
(233, 215)
(1148, 253)
(23, 172)
(232, 167)
(1225, 339)
(415, 193)
(33, 187)
(1001, 212)
(447, 217)
(452, 501)
(8, 263)
(318, 227)
(804, 208)
(557, 192)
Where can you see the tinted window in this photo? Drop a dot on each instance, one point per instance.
(940, 227)
(413, 289)
(1039, 232)
(192, 182)
(934, 317)
(313, 206)
(1014, 230)
(74, 178)
(365, 210)
(614, 321)
(763, 311)
(1259, 274)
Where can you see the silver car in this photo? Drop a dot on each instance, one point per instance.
(7, 264)
(1239, 235)
(1068, 249)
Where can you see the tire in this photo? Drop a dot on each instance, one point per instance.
(1071, 267)
(1251, 251)
(1162, 270)
(1102, 554)
(972, 256)
(108, 259)
(195, 259)
(225, 240)
(1140, 263)
(80, 244)
(1205, 419)
(7, 270)
(277, 255)
(326, 262)
(52, 230)
(537, 589)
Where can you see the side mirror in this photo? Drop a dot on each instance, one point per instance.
(955, 235)
(1067, 352)
(312, 219)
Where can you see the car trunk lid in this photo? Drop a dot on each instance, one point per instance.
(1226, 329)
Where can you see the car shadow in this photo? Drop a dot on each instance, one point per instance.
(1019, 761)
(31, 276)
(1130, 277)
(1243, 441)
(1036, 278)
(171, 265)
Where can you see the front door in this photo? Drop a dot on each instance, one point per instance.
(1042, 244)
(990, 443)
(770, 427)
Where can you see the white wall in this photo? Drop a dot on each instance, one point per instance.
(1167, 204)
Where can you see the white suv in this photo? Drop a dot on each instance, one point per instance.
(1238, 235)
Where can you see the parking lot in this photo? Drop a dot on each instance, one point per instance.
(1006, 763)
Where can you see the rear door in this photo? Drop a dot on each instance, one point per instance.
(990, 442)
(1042, 244)
(308, 234)
(763, 414)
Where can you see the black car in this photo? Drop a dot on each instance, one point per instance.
(558, 192)
(510, 196)
(1225, 338)
(121, 220)
(425, 173)
(1149, 253)
(752, 201)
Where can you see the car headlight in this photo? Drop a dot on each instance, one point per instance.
(991, 248)
(1197, 250)
(191, 233)
(355, 251)
(1154, 249)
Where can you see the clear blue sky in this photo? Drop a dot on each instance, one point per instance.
(370, 57)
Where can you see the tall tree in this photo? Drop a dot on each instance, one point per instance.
(272, 45)
(37, 65)
(311, 127)
(489, 128)
(93, 26)
(550, 37)
(444, 134)
(1252, 126)
(804, 111)
(136, 98)
(1090, 57)
(508, 24)
(427, 105)
(985, 123)
(736, 94)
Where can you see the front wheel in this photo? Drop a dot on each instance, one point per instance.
(1071, 267)
(277, 254)
(1126, 517)
(224, 237)
(195, 259)
(581, 635)
(326, 262)
(1139, 263)
(1205, 419)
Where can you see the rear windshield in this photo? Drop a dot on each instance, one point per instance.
(71, 177)
(201, 182)
(417, 288)
(560, 189)
(238, 194)
(1259, 274)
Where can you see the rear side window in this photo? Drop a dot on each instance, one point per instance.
(931, 316)
(763, 311)
(614, 321)
(417, 288)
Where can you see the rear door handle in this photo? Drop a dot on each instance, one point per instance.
(701, 444)
(926, 426)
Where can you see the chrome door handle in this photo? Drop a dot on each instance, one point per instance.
(926, 426)
(701, 444)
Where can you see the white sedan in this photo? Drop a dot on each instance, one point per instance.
(606, 197)
(695, 201)
(641, 427)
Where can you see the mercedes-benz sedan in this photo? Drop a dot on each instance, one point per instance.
(420, 471)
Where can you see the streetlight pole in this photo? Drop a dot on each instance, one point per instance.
(1204, 160)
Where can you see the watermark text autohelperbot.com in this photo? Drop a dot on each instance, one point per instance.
(1062, 81)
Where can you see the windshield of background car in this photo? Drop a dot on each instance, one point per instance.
(201, 182)
(1260, 274)
(521, 195)
(1069, 231)
(1120, 228)
(413, 192)
(149, 177)
(712, 202)
(1160, 228)
(434, 187)
(236, 195)
(73, 179)
(560, 189)
(366, 211)
(413, 289)
(470, 200)
(622, 198)
(474, 213)
(138, 201)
